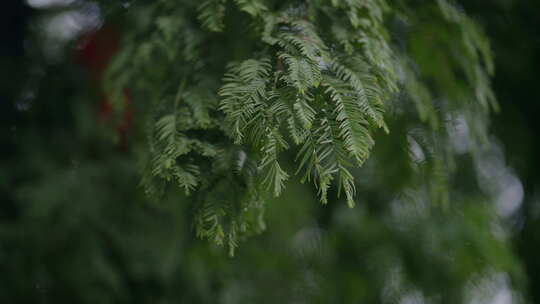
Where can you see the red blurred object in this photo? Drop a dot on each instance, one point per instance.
(95, 51)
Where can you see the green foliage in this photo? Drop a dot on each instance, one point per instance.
(302, 78)
(244, 115)
(212, 13)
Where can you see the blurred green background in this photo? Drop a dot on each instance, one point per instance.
(75, 226)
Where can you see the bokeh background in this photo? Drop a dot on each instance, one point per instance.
(76, 228)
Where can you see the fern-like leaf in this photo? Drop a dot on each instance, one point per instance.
(244, 93)
(211, 13)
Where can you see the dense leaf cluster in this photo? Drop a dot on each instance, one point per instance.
(229, 86)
